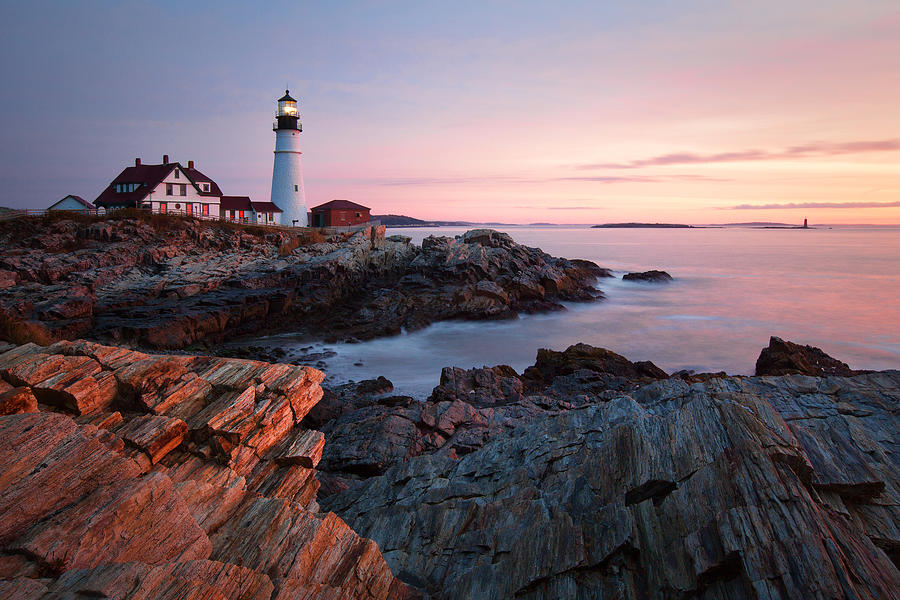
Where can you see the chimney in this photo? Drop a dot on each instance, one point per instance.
(190, 164)
(137, 162)
(165, 159)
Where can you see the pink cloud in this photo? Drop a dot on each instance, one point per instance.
(804, 151)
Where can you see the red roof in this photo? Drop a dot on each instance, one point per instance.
(266, 207)
(236, 203)
(198, 177)
(150, 176)
(339, 205)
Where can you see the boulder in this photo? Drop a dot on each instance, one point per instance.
(786, 358)
(652, 276)
(551, 364)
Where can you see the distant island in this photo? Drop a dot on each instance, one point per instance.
(404, 221)
(642, 226)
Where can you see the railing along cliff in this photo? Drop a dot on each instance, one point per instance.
(31, 212)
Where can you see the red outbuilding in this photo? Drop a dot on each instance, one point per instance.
(338, 213)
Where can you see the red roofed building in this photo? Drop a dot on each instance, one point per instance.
(267, 213)
(164, 188)
(338, 213)
(238, 209)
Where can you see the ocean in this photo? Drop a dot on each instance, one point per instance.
(837, 288)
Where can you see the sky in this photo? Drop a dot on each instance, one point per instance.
(518, 112)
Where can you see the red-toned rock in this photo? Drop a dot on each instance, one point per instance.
(17, 400)
(140, 519)
(193, 579)
(75, 383)
(304, 449)
(22, 588)
(48, 462)
(124, 502)
(154, 435)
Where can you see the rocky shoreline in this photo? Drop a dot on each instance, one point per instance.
(130, 475)
(170, 283)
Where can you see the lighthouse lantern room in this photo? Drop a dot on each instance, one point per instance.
(287, 175)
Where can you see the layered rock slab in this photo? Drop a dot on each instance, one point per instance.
(193, 480)
(780, 487)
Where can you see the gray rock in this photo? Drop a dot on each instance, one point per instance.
(769, 487)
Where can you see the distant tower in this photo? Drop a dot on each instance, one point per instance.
(287, 176)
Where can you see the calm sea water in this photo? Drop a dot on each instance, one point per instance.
(836, 288)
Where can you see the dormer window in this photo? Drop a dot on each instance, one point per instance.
(123, 188)
(205, 187)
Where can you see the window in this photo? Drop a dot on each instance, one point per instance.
(182, 189)
(205, 187)
(358, 215)
(169, 188)
(296, 188)
(206, 209)
(188, 209)
(177, 176)
(162, 207)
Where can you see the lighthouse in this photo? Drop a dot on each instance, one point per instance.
(287, 176)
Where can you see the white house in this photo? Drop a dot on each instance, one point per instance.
(238, 209)
(164, 188)
(267, 213)
(74, 203)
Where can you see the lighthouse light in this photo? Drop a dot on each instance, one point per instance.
(286, 108)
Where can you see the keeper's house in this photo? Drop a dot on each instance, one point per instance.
(165, 188)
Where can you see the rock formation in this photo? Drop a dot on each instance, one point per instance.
(652, 276)
(145, 476)
(788, 358)
(170, 282)
(130, 475)
(589, 484)
(369, 431)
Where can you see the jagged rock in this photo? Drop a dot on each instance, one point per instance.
(367, 435)
(146, 519)
(774, 487)
(154, 435)
(125, 280)
(551, 364)
(652, 276)
(486, 386)
(17, 400)
(75, 383)
(786, 358)
(213, 498)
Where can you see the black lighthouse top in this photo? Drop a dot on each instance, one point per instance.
(287, 115)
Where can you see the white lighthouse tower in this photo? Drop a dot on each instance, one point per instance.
(287, 176)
